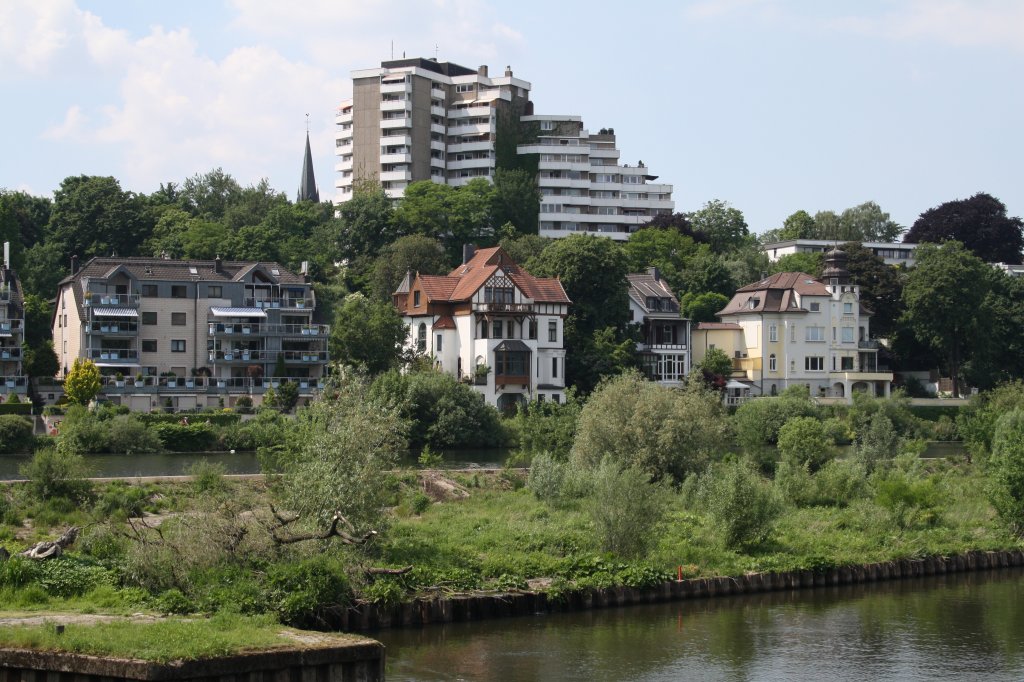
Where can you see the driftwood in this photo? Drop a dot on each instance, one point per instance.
(349, 538)
(51, 549)
(388, 571)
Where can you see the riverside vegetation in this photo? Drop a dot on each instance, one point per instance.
(626, 488)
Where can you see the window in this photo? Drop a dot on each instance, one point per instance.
(149, 318)
(178, 319)
(499, 294)
(814, 363)
(547, 125)
(148, 345)
(552, 331)
(483, 329)
(773, 333)
(815, 307)
(815, 333)
(464, 87)
(149, 291)
(532, 329)
(214, 291)
(415, 299)
(437, 346)
(496, 328)
(771, 362)
(177, 345)
(556, 398)
(848, 335)
(847, 308)
(421, 338)
(178, 291)
(554, 368)
(847, 364)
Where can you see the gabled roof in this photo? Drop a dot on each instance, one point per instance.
(466, 279)
(775, 294)
(644, 285)
(444, 322)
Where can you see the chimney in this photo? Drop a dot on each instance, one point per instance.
(508, 72)
(304, 271)
(218, 264)
(74, 265)
(467, 252)
(482, 70)
(653, 272)
(7, 255)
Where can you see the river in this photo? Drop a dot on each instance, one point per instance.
(956, 627)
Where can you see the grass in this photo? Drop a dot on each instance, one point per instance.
(158, 641)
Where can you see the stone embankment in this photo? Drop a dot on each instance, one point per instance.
(474, 607)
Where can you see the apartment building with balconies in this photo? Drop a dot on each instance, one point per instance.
(491, 324)
(420, 119)
(901, 253)
(664, 348)
(198, 333)
(584, 188)
(12, 331)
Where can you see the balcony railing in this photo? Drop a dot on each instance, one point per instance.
(10, 352)
(118, 300)
(259, 329)
(13, 383)
(113, 328)
(152, 384)
(114, 355)
(505, 307)
(288, 302)
(868, 344)
(256, 355)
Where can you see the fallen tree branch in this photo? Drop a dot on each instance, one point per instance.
(388, 571)
(52, 548)
(332, 532)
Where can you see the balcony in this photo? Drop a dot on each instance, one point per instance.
(395, 86)
(125, 356)
(112, 328)
(151, 384)
(868, 344)
(111, 300)
(438, 111)
(504, 307)
(261, 356)
(394, 123)
(10, 352)
(396, 176)
(394, 105)
(396, 158)
(269, 303)
(13, 384)
(261, 329)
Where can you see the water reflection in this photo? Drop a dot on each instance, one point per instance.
(960, 626)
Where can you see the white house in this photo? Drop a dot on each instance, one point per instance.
(492, 324)
(665, 346)
(892, 253)
(800, 330)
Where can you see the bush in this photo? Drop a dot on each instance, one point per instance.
(1006, 470)
(81, 432)
(757, 422)
(547, 426)
(741, 504)
(547, 478)
(878, 441)
(15, 434)
(16, 408)
(244, 405)
(976, 422)
(195, 437)
(626, 508)
(909, 501)
(301, 592)
(53, 473)
(666, 432)
(207, 476)
(126, 434)
(804, 441)
(269, 428)
(215, 418)
(121, 499)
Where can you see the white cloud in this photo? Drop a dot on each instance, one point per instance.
(72, 125)
(994, 23)
(33, 34)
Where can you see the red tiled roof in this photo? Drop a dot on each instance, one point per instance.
(465, 280)
(437, 287)
(445, 322)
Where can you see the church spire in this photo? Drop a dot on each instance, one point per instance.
(307, 186)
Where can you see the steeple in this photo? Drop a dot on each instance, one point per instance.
(835, 271)
(307, 186)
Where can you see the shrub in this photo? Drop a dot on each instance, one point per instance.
(547, 478)
(16, 408)
(547, 426)
(626, 508)
(121, 499)
(207, 476)
(301, 592)
(909, 501)
(126, 434)
(741, 504)
(81, 432)
(1006, 470)
(53, 473)
(757, 422)
(878, 441)
(804, 441)
(15, 434)
(666, 432)
(244, 404)
(194, 437)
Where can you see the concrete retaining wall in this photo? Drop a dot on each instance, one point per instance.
(361, 662)
(474, 607)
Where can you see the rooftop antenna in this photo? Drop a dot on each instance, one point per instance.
(392, 49)
(435, 52)
(307, 124)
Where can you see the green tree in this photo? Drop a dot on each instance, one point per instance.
(1006, 470)
(40, 360)
(945, 297)
(93, 216)
(208, 196)
(412, 253)
(82, 382)
(881, 287)
(811, 263)
(627, 508)
(667, 250)
(702, 307)
(705, 271)
(757, 422)
(799, 225)
(803, 441)
(341, 449)
(716, 362)
(724, 226)
(287, 396)
(522, 247)
(38, 316)
(515, 200)
(365, 222)
(23, 220)
(367, 333)
(742, 505)
(454, 215)
(666, 433)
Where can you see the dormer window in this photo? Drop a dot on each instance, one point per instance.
(752, 303)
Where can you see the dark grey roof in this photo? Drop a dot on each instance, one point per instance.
(307, 186)
(644, 285)
(443, 68)
(512, 345)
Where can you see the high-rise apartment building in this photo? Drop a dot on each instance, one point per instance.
(420, 119)
(584, 188)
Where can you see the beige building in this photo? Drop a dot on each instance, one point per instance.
(196, 333)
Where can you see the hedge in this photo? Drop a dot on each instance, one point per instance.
(15, 408)
(215, 418)
(932, 413)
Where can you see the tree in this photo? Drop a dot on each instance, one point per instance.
(209, 195)
(666, 433)
(715, 362)
(678, 222)
(365, 221)
(804, 442)
(1006, 470)
(38, 315)
(516, 200)
(23, 220)
(742, 505)
(522, 247)
(367, 333)
(412, 253)
(93, 216)
(867, 222)
(40, 360)
(82, 382)
(799, 225)
(945, 297)
(667, 250)
(454, 215)
(341, 449)
(702, 307)
(979, 223)
(705, 271)
(626, 508)
(881, 287)
(757, 422)
(723, 225)
(811, 263)
(45, 266)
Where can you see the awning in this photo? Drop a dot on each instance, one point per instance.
(238, 312)
(736, 384)
(512, 346)
(103, 363)
(115, 312)
(4, 335)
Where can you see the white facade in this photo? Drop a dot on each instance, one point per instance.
(584, 188)
(664, 348)
(891, 253)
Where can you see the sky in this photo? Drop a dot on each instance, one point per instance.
(771, 105)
